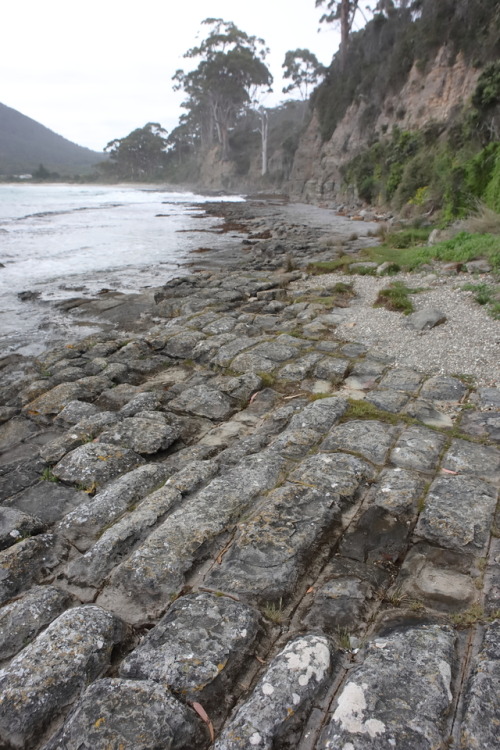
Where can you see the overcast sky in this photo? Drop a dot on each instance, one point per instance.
(94, 71)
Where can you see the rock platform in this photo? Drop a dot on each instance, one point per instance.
(235, 530)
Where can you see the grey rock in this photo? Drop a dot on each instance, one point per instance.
(295, 443)
(192, 475)
(458, 513)
(83, 525)
(16, 475)
(181, 346)
(140, 586)
(228, 352)
(272, 548)
(418, 448)
(197, 648)
(344, 595)
(320, 415)
(292, 679)
(206, 349)
(487, 398)
(49, 674)
(115, 399)
(378, 536)
(117, 542)
(14, 431)
(481, 461)
(438, 577)
(391, 401)
(204, 401)
(478, 266)
(397, 491)
(95, 464)
(24, 618)
(142, 434)
(481, 424)
(224, 324)
(368, 437)
(80, 433)
(253, 362)
(48, 501)
(14, 525)
(338, 473)
(443, 388)
(27, 562)
(425, 319)
(300, 368)
(426, 412)
(333, 369)
(400, 379)
(141, 402)
(482, 696)
(370, 714)
(115, 714)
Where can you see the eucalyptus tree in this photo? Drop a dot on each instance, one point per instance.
(304, 70)
(141, 154)
(230, 71)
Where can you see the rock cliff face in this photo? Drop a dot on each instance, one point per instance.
(434, 96)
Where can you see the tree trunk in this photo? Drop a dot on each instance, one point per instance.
(264, 131)
(344, 30)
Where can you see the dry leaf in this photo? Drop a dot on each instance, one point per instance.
(310, 590)
(449, 471)
(261, 661)
(253, 397)
(204, 716)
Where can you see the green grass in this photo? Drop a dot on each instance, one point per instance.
(485, 294)
(329, 266)
(460, 249)
(396, 297)
(48, 476)
(406, 238)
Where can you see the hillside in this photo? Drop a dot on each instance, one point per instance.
(25, 144)
(414, 117)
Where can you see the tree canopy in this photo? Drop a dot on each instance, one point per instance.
(140, 155)
(304, 70)
(225, 82)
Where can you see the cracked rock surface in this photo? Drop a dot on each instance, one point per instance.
(240, 528)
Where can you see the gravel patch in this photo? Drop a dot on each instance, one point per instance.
(467, 344)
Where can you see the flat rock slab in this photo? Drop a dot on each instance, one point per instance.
(320, 415)
(204, 401)
(139, 714)
(443, 388)
(400, 379)
(14, 431)
(439, 578)
(481, 461)
(53, 401)
(426, 412)
(14, 525)
(418, 448)
(339, 473)
(197, 648)
(333, 369)
(294, 676)
(27, 562)
(397, 491)
(378, 536)
(142, 434)
(140, 587)
(370, 714)
(367, 437)
(388, 400)
(344, 595)
(482, 424)
(458, 513)
(24, 618)
(83, 525)
(95, 464)
(50, 673)
(268, 554)
(48, 501)
(482, 697)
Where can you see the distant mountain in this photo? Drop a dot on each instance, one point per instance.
(25, 144)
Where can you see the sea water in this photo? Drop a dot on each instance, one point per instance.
(61, 241)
